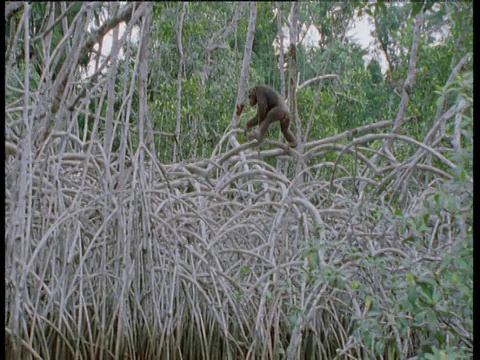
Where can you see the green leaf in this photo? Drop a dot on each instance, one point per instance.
(379, 347)
(412, 294)
(450, 205)
(355, 284)
(426, 217)
(432, 321)
(416, 8)
(455, 277)
(402, 323)
(314, 260)
(420, 317)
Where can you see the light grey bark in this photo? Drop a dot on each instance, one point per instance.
(281, 38)
(281, 62)
(244, 72)
(292, 72)
(178, 127)
(407, 85)
(11, 8)
(145, 120)
(54, 185)
(108, 135)
(17, 235)
(292, 61)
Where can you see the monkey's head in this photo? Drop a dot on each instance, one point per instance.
(252, 96)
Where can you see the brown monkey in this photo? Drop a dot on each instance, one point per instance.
(270, 108)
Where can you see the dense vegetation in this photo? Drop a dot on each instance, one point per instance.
(140, 223)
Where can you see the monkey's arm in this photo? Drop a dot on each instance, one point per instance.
(262, 105)
(251, 123)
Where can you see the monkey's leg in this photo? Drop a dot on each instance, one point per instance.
(273, 115)
(284, 126)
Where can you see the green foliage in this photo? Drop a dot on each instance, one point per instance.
(375, 72)
(353, 99)
(423, 304)
(446, 354)
(207, 106)
(265, 32)
(433, 299)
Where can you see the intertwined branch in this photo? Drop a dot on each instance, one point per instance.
(211, 247)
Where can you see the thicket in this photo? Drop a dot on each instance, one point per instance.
(136, 229)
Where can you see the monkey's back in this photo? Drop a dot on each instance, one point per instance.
(273, 98)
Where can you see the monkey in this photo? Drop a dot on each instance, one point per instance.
(271, 107)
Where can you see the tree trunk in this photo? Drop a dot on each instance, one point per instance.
(281, 59)
(177, 144)
(145, 127)
(281, 62)
(245, 67)
(292, 70)
(108, 135)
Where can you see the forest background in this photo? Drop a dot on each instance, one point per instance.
(140, 223)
